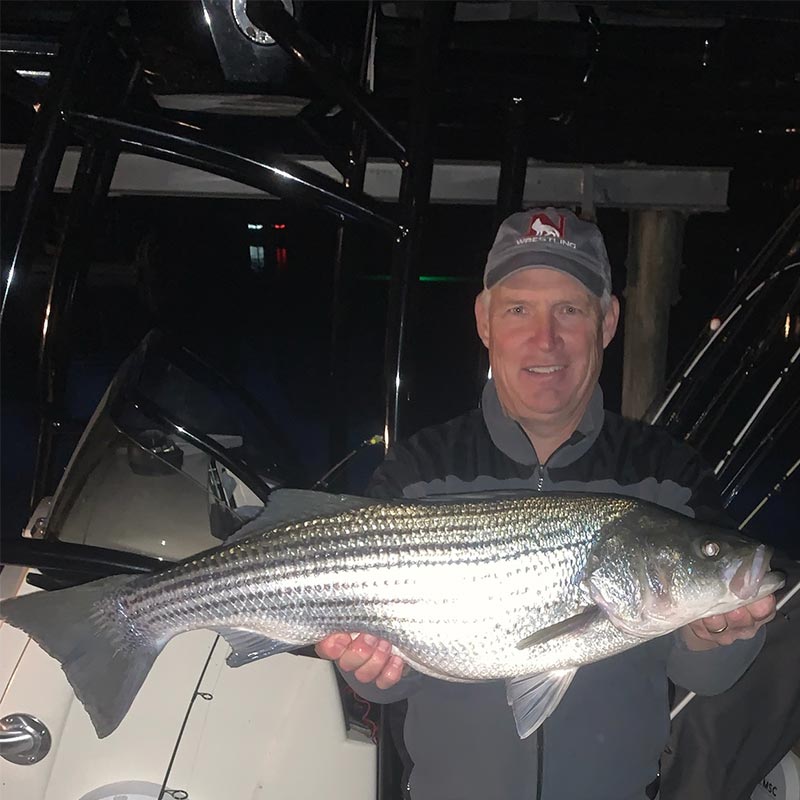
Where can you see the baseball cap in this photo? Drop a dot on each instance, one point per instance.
(554, 238)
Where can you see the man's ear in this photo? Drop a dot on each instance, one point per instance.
(610, 321)
(482, 317)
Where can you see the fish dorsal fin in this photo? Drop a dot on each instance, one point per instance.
(534, 698)
(296, 505)
(571, 625)
(247, 646)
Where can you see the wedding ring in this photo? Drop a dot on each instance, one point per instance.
(721, 630)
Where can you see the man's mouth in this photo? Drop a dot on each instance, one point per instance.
(545, 370)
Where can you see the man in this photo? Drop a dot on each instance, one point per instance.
(546, 314)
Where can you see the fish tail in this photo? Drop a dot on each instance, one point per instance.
(104, 664)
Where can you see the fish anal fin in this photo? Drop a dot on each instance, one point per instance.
(248, 646)
(571, 625)
(533, 698)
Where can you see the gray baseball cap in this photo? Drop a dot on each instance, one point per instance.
(554, 238)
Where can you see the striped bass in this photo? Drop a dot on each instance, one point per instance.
(525, 589)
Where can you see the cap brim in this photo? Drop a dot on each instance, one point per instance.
(546, 260)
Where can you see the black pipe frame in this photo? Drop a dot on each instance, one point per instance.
(45, 149)
(93, 562)
(354, 174)
(90, 187)
(184, 144)
(415, 189)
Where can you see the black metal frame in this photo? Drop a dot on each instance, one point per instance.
(67, 109)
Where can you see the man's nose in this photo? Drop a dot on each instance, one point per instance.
(543, 333)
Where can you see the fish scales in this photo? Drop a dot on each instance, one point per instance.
(379, 570)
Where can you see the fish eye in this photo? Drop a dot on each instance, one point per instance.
(710, 549)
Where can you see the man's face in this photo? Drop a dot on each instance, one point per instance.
(545, 334)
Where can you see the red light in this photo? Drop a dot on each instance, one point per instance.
(280, 257)
(279, 226)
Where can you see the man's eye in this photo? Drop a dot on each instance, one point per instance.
(571, 310)
(516, 310)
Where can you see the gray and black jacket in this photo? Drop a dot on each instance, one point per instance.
(604, 740)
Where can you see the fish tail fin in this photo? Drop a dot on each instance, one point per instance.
(105, 665)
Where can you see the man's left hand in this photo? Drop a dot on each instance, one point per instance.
(722, 629)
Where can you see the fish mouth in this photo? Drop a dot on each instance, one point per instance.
(749, 577)
(770, 584)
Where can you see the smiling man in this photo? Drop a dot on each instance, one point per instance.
(546, 315)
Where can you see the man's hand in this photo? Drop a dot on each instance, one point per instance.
(368, 658)
(742, 623)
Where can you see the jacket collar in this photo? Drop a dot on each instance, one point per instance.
(509, 436)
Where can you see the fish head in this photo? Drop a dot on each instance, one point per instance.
(654, 578)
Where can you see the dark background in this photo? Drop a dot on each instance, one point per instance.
(708, 84)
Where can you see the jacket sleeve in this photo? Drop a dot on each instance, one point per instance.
(397, 471)
(712, 671)
(708, 672)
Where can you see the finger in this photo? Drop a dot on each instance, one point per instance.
(699, 629)
(332, 647)
(358, 652)
(752, 616)
(391, 673)
(374, 666)
(739, 619)
(763, 609)
(713, 625)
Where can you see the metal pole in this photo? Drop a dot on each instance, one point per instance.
(45, 149)
(90, 188)
(354, 185)
(92, 180)
(513, 166)
(415, 188)
(510, 191)
(276, 174)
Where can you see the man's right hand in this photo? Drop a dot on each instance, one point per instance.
(368, 658)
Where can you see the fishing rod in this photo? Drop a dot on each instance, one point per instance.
(733, 486)
(785, 373)
(781, 245)
(745, 307)
(752, 359)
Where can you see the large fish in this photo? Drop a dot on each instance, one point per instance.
(526, 590)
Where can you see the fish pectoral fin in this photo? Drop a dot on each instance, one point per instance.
(570, 625)
(534, 698)
(247, 646)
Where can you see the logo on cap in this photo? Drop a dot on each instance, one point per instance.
(543, 225)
